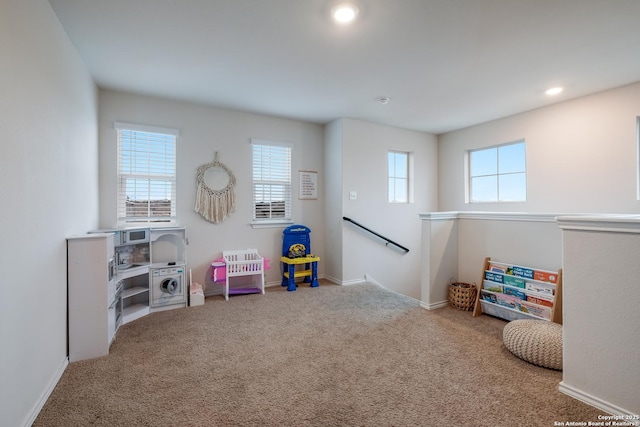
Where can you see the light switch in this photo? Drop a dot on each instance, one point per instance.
(353, 195)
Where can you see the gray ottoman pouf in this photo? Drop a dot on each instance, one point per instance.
(536, 341)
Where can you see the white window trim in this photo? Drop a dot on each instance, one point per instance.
(149, 129)
(271, 222)
(409, 178)
(467, 171)
(146, 128)
(638, 158)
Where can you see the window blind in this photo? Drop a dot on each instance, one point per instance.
(271, 181)
(146, 176)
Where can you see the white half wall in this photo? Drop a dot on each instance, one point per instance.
(203, 131)
(439, 257)
(455, 245)
(49, 175)
(601, 316)
(581, 156)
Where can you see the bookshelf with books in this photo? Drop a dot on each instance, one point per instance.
(514, 292)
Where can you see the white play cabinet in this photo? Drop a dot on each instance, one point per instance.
(111, 283)
(93, 304)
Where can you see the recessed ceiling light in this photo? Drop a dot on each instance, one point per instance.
(344, 13)
(554, 91)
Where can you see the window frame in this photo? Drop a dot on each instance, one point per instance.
(392, 178)
(638, 158)
(281, 178)
(469, 166)
(167, 140)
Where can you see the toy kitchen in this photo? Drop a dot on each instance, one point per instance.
(146, 273)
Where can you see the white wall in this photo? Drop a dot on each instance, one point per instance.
(49, 175)
(203, 131)
(332, 260)
(364, 169)
(581, 156)
(601, 317)
(529, 240)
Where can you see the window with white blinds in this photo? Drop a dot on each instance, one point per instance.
(146, 175)
(271, 181)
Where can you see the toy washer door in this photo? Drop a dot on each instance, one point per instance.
(169, 286)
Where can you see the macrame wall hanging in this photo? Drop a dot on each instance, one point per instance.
(216, 194)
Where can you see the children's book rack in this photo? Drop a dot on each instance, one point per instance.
(515, 292)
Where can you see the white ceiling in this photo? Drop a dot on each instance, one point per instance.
(444, 64)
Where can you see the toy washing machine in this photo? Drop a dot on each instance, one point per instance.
(168, 286)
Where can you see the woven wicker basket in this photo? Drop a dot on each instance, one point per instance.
(462, 296)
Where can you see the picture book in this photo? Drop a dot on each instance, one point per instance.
(486, 296)
(541, 288)
(514, 281)
(540, 299)
(491, 286)
(524, 272)
(535, 310)
(514, 292)
(545, 276)
(493, 276)
(498, 268)
(507, 301)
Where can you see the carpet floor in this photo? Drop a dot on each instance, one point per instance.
(355, 355)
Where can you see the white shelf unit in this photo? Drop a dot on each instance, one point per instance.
(133, 312)
(135, 293)
(514, 292)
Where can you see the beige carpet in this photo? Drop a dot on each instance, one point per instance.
(354, 355)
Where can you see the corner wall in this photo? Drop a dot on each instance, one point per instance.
(204, 131)
(49, 172)
(364, 170)
(333, 203)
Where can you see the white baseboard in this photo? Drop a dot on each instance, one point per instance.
(353, 282)
(323, 277)
(47, 392)
(272, 284)
(370, 279)
(433, 306)
(320, 276)
(330, 279)
(594, 401)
